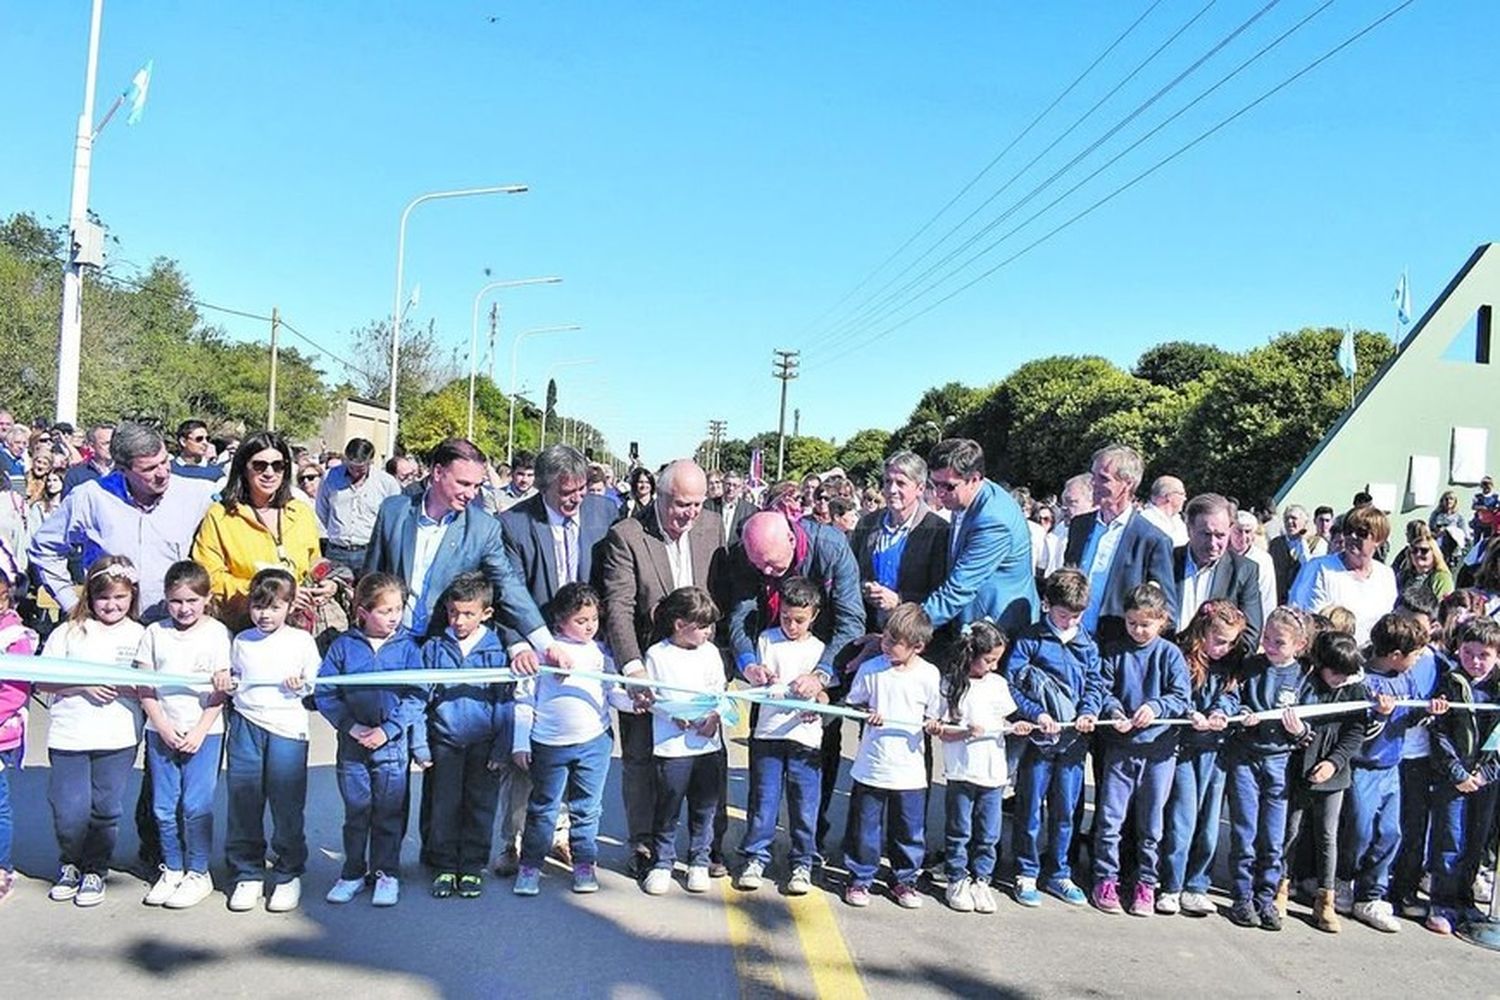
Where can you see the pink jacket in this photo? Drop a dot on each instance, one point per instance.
(14, 638)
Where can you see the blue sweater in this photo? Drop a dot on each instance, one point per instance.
(1387, 733)
(462, 715)
(1047, 675)
(1261, 688)
(397, 710)
(1216, 694)
(1155, 674)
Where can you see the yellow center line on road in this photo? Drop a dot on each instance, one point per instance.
(828, 958)
(754, 964)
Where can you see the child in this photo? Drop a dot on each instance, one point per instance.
(1257, 756)
(1318, 772)
(469, 729)
(786, 747)
(563, 739)
(92, 732)
(15, 638)
(902, 693)
(1053, 666)
(1145, 678)
(1416, 748)
(1213, 647)
(184, 734)
(978, 702)
(1465, 776)
(379, 730)
(689, 765)
(272, 666)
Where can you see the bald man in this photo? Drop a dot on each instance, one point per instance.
(1168, 496)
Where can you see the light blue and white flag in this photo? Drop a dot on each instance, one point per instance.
(1346, 353)
(1401, 297)
(136, 95)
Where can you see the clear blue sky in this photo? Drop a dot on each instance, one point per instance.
(710, 178)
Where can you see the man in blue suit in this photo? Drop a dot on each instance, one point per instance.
(989, 565)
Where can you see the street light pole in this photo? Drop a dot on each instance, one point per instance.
(550, 373)
(390, 439)
(515, 346)
(474, 333)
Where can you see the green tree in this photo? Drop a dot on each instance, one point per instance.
(808, 454)
(934, 417)
(1176, 363)
(862, 457)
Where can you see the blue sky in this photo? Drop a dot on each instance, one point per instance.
(710, 179)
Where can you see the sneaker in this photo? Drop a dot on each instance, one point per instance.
(718, 869)
(194, 888)
(1440, 920)
(640, 863)
(960, 895)
(90, 891)
(1242, 913)
(1378, 914)
(345, 889)
(1484, 886)
(1107, 895)
(528, 881)
(1270, 918)
(751, 876)
(908, 898)
(286, 897)
(66, 886)
(657, 882)
(445, 885)
(698, 877)
(470, 886)
(585, 879)
(387, 890)
(508, 863)
(1144, 901)
(161, 891)
(800, 884)
(1343, 897)
(1412, 908)
(1169, 904)
(245, 895)
(1026, 892)
(1066, 890)
(984, 897)
(1196, 904)
(857, 895)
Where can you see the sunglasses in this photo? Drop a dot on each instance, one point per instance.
(259, 466)
(310, 477)
(1425, 550)
(1359, 534)
(942, 487)
(200, 438)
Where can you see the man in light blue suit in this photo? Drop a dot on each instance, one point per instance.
(989, 565)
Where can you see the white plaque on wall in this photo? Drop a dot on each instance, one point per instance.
(1382, 496)
(1471, 447)
(1422, 480)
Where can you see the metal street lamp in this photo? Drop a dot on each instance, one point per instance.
(515, 345)
(474, 333)
(542, 441)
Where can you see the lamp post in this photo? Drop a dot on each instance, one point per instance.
(474, 333)
(515, 345)
(390, 440)
(542, 440)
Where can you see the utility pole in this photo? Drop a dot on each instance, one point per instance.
(785, 363)
(275, 335)
(715, 438)
(494, 331)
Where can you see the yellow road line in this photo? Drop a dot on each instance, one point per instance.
(754, 963)
(828, 958)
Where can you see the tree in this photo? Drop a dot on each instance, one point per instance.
(808, 454)
(862, 457)
(934, 416)
(424, 369)
(1176, 363)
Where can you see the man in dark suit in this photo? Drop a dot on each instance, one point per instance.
(1207, 569)
(733, 507)
(675, 543)
(1115, 549)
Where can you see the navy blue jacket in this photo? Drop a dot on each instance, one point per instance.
(1144, 554)
(1334, 738)
(397, 710)
(462, 715)
(1155, 674)
(1048, 675)
(1458, 737)
(1216, 694)
(528, 544)
(1261, 688)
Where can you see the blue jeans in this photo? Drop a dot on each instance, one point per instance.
(184, 781)
(265, 769)
(9, 761)
(86, 789)
(696, 780)
(1461, 826)
(1416, 812)
(773, 762)
(1372, 830)
(374, 794)
(577, 771)
(1257, 824)
(1192, 828)
(870, 809)
(1056, 782)
(972, 831)
(1137, 781)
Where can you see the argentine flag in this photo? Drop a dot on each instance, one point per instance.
(1401, 297)
(1346, 353)
(136, 95)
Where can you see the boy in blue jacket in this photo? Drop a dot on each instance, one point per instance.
(1052, 668)
(1145, 678)
(380, 729)
(469, 729)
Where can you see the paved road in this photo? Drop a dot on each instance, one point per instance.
(620, 943)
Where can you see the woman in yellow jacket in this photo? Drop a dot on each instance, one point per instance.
(257, 525)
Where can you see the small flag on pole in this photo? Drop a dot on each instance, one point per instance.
(1347, 360)
(1401, 297)
(757, 466)
(136, 95)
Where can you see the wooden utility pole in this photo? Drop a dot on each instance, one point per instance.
(275, 340)
(785, 369)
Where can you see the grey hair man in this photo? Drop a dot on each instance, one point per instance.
(1208, 568)
(100, 462)
(1164, 509)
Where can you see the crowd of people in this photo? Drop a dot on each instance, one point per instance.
(1165, 645)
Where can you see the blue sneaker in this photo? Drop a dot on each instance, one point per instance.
(1065, 890)
(1026, 891)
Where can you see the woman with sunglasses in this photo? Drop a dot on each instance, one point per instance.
(1352, 577)
(258, 524)
(1422, 562)
(309, 478)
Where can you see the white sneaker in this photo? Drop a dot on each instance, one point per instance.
(752, 877)
(285, 897)
(345, 889)
(245, 895)
(1343, 897)
(387, 890)
(698, 879)
(960, 895)
(166, 884)
(1196, 904)
(1378, 914)
(1484, 886)
(1169, 904)
(984, 898)
(194, 888)
(658, 881)
(800, 884)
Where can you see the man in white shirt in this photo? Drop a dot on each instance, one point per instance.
(1165, 508)
(1208, 568)
(349, 501)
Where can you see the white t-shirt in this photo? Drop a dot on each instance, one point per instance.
(788, 660)
(980, 760)
(261, 661)
(890, 756)
(564, 710)
(202, 649)
(700, 668)
(74, 722)
(1368, 599)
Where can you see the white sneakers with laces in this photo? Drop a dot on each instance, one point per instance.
(194, 888)
(166, 884)
(387, 890)
(960, 895)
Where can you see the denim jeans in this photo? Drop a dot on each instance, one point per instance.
(972, 832)
(574, 774)
(772, 763)
(1192, 828)
(86, 789)
(1372, 830)
(465, 794)
(1053, 782)
(1257, 824)
(374, 794)
(9, 761)
(1461, 826)
(870, 810)
(184, 781)
(1416, 813)
(697, 780)
(1137, 781)
(265, 769)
